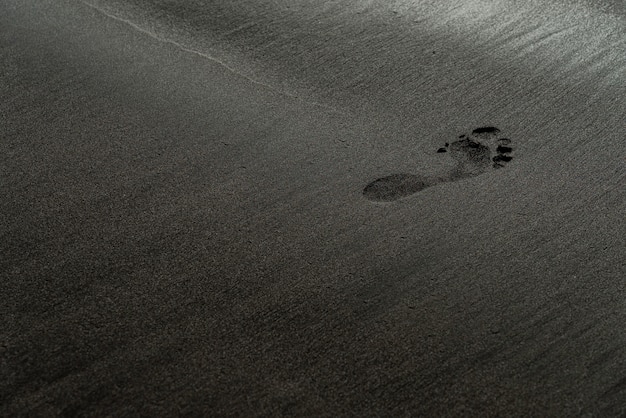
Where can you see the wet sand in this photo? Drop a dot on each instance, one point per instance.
(187, 236)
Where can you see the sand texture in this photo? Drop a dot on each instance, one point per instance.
(312, 208)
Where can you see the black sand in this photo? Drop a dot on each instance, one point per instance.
(179, 239)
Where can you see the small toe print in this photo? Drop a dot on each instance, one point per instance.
(504, 150)
(442, 150)
(499, 158)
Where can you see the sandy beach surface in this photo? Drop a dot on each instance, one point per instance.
(312, 208)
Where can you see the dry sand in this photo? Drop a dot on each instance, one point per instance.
(187, 228)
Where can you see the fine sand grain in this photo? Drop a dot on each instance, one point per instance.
(266, 208)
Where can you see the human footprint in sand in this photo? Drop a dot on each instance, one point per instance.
(482, 150)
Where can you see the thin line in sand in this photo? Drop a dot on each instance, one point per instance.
(210, 58)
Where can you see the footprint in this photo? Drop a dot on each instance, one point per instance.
(482, 150)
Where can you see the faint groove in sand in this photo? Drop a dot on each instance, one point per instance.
(210, 58)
